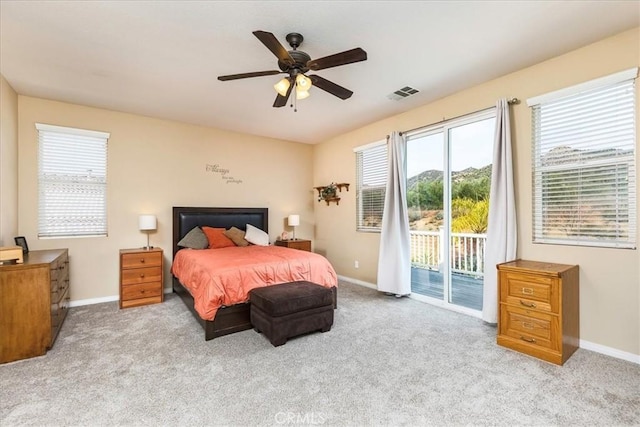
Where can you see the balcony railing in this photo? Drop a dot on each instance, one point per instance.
(467, 251)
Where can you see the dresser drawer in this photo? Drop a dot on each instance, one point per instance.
(59, 310)
(142, 290)
(141, 275)
(535, 328)
(59, 289)
(530, 291)
(141, 259)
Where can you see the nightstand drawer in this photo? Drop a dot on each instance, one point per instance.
(531, 327)
(303, 246)
(141, 259)
(143, 290)
(141, 275)
(529, 291)
(300, 244)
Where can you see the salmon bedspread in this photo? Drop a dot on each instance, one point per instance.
(224, 276)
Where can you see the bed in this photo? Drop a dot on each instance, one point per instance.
(233, 317)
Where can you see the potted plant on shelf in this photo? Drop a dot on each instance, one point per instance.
(328, 193)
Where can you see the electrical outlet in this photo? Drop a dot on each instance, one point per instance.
(356, 264)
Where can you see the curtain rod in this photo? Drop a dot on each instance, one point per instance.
(510, 101)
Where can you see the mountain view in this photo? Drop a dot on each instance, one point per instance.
(469, 200)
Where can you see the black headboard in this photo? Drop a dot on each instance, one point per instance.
(185, 218)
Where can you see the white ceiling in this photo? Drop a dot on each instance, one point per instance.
(162, 59)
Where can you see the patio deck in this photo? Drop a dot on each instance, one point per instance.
(466, 291)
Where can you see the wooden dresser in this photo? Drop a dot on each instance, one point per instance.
(303, 245)
(34, 300)
(141, 281)
(539, 309)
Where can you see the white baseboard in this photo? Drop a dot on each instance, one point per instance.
(609, 351)
(598, 348)
(358, 282)
(91, 301)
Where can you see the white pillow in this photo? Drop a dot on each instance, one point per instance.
(256, 236)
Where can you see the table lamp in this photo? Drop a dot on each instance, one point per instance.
(147, 223)
(293, 221)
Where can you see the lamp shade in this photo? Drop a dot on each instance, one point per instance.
(293, 220)
(147, 222)
(282, 86)
(303, 82)
(302, 94)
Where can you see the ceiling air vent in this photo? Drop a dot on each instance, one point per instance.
(402, 93)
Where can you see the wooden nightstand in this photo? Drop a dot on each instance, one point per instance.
(141, 277)
(303, 245)
(539, 309)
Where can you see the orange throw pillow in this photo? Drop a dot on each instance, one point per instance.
(216, 238)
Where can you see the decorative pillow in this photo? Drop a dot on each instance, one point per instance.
(256, 236)
(216, 238)
(237, 236)
(194, 239)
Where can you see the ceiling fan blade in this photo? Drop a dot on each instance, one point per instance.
(281, 101)
(272, 43)
(342, 58)
(247, 75)
(331, 87)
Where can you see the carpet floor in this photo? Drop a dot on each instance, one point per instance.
(386, 361)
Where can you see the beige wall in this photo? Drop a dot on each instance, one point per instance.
(154, 165)
(609, 278)
(8, 163)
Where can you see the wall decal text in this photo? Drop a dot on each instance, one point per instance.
(224, 173)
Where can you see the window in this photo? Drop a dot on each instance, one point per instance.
(371, 182)
(584, 179)
(72, 181)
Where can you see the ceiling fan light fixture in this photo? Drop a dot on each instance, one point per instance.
(302, 94)
(282, 86)
(303, 83)
(295, 63)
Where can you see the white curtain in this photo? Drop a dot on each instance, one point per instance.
(394, 262)
(502, 227)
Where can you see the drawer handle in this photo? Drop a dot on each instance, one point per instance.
(528, 304)
(531, 340)
(527, 291)
(527, 325)
(142, 276)
(142, 260)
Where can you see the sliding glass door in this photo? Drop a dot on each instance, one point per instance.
(448, 181)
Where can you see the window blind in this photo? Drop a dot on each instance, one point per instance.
(371, 182)
(584, 176)
(72, 182)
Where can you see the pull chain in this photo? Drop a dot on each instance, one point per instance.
(294, 102)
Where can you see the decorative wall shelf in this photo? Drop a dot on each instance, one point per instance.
(329, 193)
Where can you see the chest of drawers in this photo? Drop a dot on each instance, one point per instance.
(539, 311)
(141, 280)
(34, 300)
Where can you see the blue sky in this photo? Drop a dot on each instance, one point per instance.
(471, 146)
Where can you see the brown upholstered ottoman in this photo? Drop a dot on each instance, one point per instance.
(290, 309)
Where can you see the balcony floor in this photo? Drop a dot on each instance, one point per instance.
(466, 291)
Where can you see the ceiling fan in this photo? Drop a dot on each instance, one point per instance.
(296, 63)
